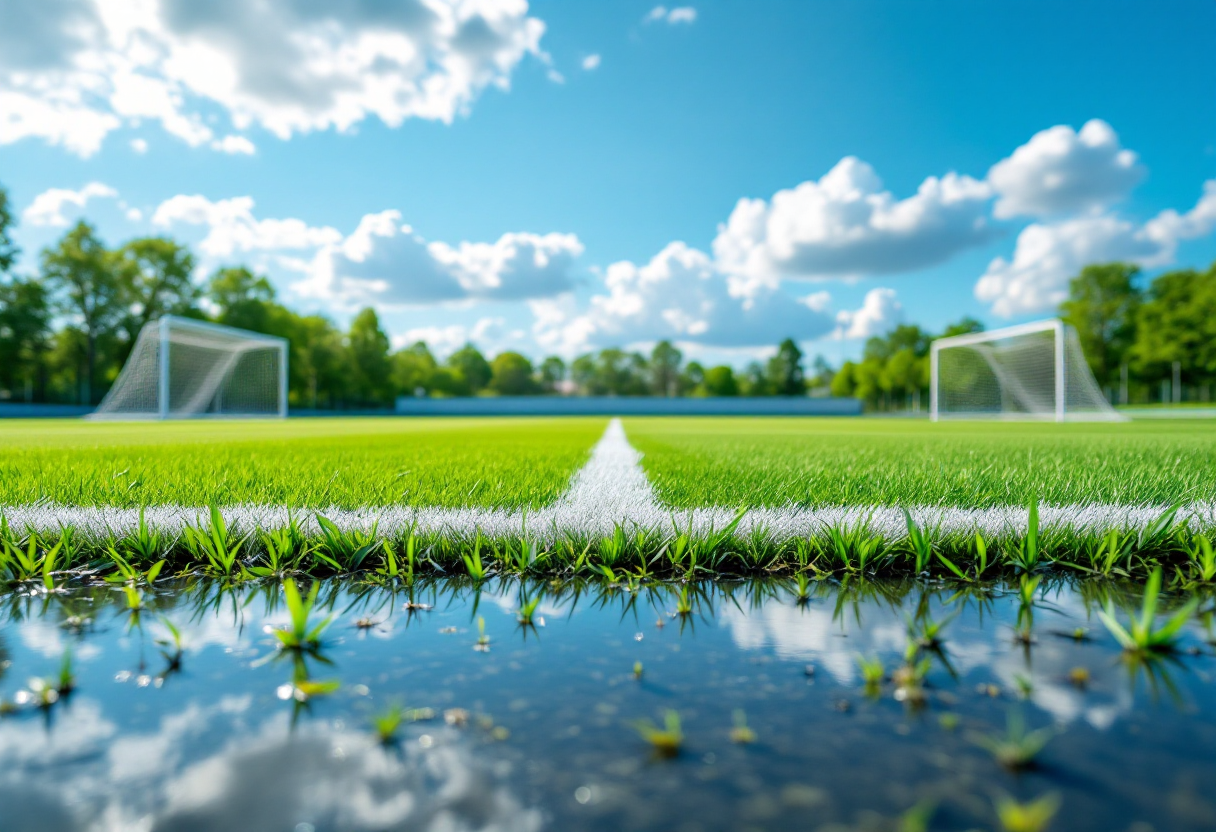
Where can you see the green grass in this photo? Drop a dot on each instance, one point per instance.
(826, 462)
(309, 463)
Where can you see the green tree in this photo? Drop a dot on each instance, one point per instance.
(371, 368)
(155, 274)
(1177, 322)
(244, 299)
(8, 249)
(1101, 307)
(784, 371)
(720, 381)
(755, 381)
(413, 369)
(25, 337)
(665, 362)
(552, 373)
(692, 377)
(512, 375)
(318, 371)
(471, 367)
(80, 273)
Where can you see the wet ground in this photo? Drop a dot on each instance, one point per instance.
(533, 729)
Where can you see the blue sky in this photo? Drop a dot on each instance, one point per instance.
(571, 173)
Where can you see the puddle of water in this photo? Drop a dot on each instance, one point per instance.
(537, 732)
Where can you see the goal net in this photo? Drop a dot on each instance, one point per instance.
(1032, 371)
(182, 368)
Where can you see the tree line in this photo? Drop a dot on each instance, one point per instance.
(1145, 341)
(68, 326)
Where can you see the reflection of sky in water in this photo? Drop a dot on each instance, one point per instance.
(213, 748)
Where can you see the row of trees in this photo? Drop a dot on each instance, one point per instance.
(1146, 342)
(67, 328)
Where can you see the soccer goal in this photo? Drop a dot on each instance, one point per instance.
(1031, 371)
(181, 368)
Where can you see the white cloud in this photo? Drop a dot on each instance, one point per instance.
(680, 14)
(879, 313)
(1061, 171)
(71, 71)
(233, 145)
(232, 226)
(139, 146)
(682, 296)
(386, 262)
(134, 214)
(1047, 255)
(846, 225)
(591, 62)
(47, 207)
(491, 335)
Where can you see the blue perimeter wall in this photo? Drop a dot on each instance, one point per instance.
(628, 406)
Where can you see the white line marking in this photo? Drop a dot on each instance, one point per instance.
(611, 489)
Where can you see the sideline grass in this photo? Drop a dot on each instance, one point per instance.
(896, 462)
(307, 463)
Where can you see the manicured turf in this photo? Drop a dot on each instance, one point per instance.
(825, 462)
(347, 462)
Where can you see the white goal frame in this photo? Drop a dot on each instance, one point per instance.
(1060, 340)
(160, 333)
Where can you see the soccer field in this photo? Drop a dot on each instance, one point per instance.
(905, 462)
(754, 494)
(349, 463)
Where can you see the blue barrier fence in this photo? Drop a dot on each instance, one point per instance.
(628, 406)
(14, 410)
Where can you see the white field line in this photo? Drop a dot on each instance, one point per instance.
(611, 489)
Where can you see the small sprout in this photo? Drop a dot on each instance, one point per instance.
(387, 724)
(948, 721)
(872, 673)
(637, 670)
(1080, 634)
(909, 682)
(457, 717)
(66, 682)
(740, 733)
(1078, 677)
(499, 733)
(306, 689)
(1027, 817)
(40, 693)
(299, 635)
(665, 741)
(1017, 749)
(802, 593)
(1024, 685)
(684, 603)
(483, 640)
(1142, 636)
(526, 611)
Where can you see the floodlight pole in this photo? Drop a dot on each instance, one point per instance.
(1060, 387)
(933, 350)
(163, 369)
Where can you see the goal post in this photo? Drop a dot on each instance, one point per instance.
(181, 368)
(1030, 371)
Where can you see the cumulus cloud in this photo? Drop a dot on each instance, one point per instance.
(591, 62)
(1047, 255)
(492, 335)
(845, 224)
(232, 226)
(662, 14)
(1061, 171)
(71, 71)
(880, 312)
(139, 145)
(234, 145)
(679, 295)
(47, 209)
(388, 262)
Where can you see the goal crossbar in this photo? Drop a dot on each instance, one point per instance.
(180, 368)
(1073, 392)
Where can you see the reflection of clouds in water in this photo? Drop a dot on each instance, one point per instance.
(81, 776)
(810, 634)
(45, 637)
